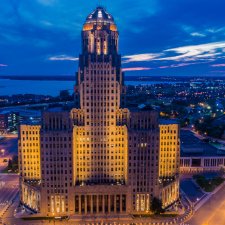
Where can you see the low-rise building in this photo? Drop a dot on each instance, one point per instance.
(9, 121)
(199, 156)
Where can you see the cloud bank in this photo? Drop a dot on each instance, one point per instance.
(135, 69)
(202, 52)
(63, 58)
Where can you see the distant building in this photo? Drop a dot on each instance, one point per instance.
(100, 158)
(9, 121)
(3, 122)
(198, 156)
(30, 115)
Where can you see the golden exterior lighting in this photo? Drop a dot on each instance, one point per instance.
(113, 27)
(99, 27)
(29, 152)
(169, 162)
(30, 165)
(88, 27)
(99, 158)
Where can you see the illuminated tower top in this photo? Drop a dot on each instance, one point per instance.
(100, 36)
(100, 41)
(101, 144)
(100, 15)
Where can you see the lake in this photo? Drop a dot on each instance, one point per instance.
(49, 87)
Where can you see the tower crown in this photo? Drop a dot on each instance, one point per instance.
(99, 17)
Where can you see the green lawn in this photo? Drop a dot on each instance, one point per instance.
(6, 170)
(208, 185)
(12, 166)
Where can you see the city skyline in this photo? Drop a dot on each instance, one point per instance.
(183, 38)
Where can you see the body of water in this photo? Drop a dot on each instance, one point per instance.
(11, 87)
(51, 87)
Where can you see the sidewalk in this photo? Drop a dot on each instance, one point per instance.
(10, 202)
(204, 200)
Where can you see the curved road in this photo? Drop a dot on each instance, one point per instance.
(212, 212)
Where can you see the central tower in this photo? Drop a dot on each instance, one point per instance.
(101, 145)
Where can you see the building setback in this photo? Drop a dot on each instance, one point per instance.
(101, 157)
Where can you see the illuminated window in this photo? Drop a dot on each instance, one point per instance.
(137, 202)
(142, 202)
(147, 203)
(100, 14)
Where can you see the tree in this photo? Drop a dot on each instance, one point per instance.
(64, 95)
(13, 164)
(156, 206)
(10, 164)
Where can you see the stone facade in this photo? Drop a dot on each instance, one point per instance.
(101, 157)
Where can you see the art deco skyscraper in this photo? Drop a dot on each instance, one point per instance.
(98, 95)
(101, 157)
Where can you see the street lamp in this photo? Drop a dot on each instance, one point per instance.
(3, 151)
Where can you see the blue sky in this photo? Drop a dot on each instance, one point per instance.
(157, 37)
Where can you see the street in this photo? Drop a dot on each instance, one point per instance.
(212, 212)
(8, 148)
(9, 145)
(9, 188)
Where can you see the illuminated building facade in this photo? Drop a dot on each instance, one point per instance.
(30, 165)
(9, 121)
(169, 161)
(101, 157)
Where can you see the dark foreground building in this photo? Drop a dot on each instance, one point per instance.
(101, 157)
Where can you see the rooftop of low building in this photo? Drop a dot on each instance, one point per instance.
(168, 121)
(192, 146)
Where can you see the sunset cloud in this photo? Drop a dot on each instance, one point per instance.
(197, 34)
(140, 57)
(202, 52)
(218, 65)
(176, 65)
(63, 58)
(150, 35)
(193, 52)
(136, 69)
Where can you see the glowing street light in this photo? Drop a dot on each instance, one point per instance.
(3, 151)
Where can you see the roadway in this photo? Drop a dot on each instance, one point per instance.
(8, 148)
(9, 145)
(9, 188)
(212, 212)
(201, 137)
(9, 219)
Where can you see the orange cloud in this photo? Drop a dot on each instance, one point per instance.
(218, 65)
(135, 69)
